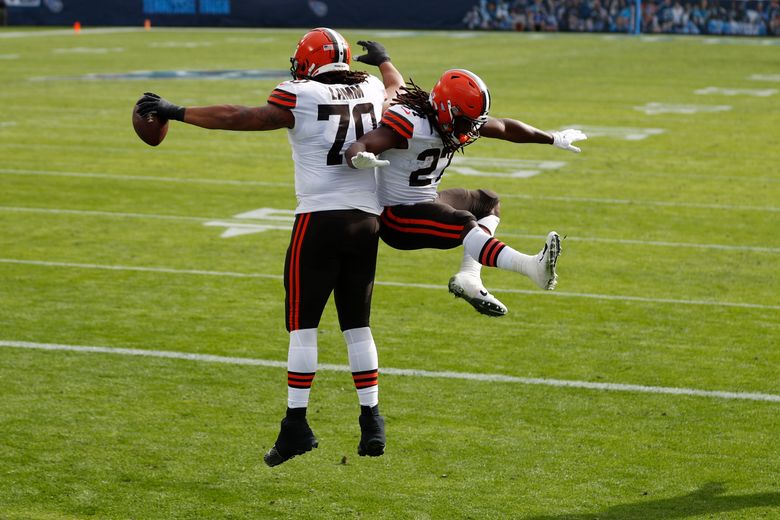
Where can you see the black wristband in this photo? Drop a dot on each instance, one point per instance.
(178, 114)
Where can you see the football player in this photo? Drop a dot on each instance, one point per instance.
(334, 239)
(417, 137)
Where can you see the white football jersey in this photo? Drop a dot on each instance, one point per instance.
(413, 174)
(328, 118)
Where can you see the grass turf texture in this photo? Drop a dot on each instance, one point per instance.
(104, 436)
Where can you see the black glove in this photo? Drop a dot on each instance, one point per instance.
(375, 53)
(153, 104)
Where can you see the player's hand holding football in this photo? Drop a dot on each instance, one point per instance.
(363, 160)
(153, 104)
(564, 138)
(375, 53)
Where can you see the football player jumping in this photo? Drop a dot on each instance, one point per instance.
(417, 137)
(334, 239)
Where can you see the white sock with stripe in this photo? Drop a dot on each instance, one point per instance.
(364, 364)
(494, 253)
(468, 265)
(301, 366)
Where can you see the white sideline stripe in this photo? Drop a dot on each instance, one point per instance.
(629, 202)
(18, 171)
(10, 171)
(490, 378)
(86, 175)
(166, 270)
(104, 213)
(657, 243)
(577, 239)
(63, 32)
(391, 284)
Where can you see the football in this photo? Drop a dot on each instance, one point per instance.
(150, 129)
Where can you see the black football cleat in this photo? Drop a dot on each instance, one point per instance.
(295, 438)
(372, 432)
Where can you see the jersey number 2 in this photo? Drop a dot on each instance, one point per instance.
(342, 112)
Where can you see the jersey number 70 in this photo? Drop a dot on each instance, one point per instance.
(345, 119)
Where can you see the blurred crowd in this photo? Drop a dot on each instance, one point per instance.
(726, 17)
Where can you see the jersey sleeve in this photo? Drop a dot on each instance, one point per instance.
(395, 119)
(284, 96)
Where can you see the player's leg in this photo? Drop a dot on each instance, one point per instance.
(540, 268)
(352, 296)
(425, 225)
(467, 282)
(309, 276)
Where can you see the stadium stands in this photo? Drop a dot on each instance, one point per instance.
(718, 17)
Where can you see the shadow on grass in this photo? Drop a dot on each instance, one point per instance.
(706, 500)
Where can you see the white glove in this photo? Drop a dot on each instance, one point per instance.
(564, 138)
(367, 160)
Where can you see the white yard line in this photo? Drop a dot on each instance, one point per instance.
(609, 297)
(112, 214)
(586, 200)
(53, 173)
(65, 32)
(653, 243)
(629, 202)
(656, 243)
(143, 178)
(411, 372)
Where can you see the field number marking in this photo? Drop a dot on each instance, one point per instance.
(668, 108)
(766, 92)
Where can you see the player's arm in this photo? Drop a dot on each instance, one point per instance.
(393, 82)
(221, 117)
(518, 132)
(514, 131)
(376, 54)
(237, 117)
(362, 153)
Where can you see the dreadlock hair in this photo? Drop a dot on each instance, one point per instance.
(341, 77)
(418, 100)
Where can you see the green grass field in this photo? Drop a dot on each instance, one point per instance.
(669, 279)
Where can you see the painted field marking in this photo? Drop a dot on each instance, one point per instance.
(766, 92)
(260, 227)
(66, 32)
(492, 167)
(256, 222)
(229, 182)
(546, 294)
(9, 56)
(87, 50)
(111, 176)
(629, 202)
(669, 108)
(765, 77)
(408, 372)
(617, 132)
(183, 45)
(755, 42)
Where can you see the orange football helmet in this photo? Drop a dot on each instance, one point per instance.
(460, 96)
(320, 50)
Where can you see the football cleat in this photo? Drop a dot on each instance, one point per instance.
(471, 290)
(544, 275)
(295, 438)
(372, 435)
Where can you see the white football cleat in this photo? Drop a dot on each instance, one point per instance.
(545, 275)
(470, 288)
